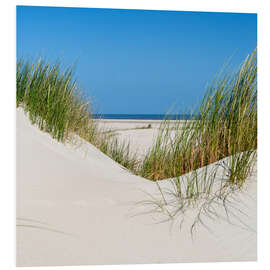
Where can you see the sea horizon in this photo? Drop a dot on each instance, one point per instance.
(144, 116)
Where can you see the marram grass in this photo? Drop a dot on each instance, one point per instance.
(51, 98)
(225, 133)
(227, 122)
(227, 125)
(54, 103)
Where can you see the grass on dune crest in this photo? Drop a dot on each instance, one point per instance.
(227, 126)
(206, 194)
(51, 98)
(54, 103)
(209, 159)
(227, 122)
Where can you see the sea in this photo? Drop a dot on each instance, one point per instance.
(144, 116)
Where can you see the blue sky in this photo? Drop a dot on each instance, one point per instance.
(136, 61)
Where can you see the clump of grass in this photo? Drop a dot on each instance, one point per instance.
(149, 126)
(227, 125)
(118, 150)
(54, 103)
(206, 193)
(210, 157)
(52, 99)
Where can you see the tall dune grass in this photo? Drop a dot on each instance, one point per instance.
(51, 98)
(227, 122)
(54, 103)
(210, 158)
(227, 125)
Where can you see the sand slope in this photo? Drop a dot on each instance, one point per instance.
(76, 206)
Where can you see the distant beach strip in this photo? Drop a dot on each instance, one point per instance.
(144, 116)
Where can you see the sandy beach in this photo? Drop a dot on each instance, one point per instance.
(136, 132)
(76, 206)
(140, 134)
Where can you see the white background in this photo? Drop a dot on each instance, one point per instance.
(7, 121)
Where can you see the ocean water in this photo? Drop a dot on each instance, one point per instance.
(144, 116)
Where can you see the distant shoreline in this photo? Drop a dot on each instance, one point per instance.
(143, 116)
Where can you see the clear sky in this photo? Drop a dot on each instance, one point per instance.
(136, 61)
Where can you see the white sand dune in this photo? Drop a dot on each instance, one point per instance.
(76, 206)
